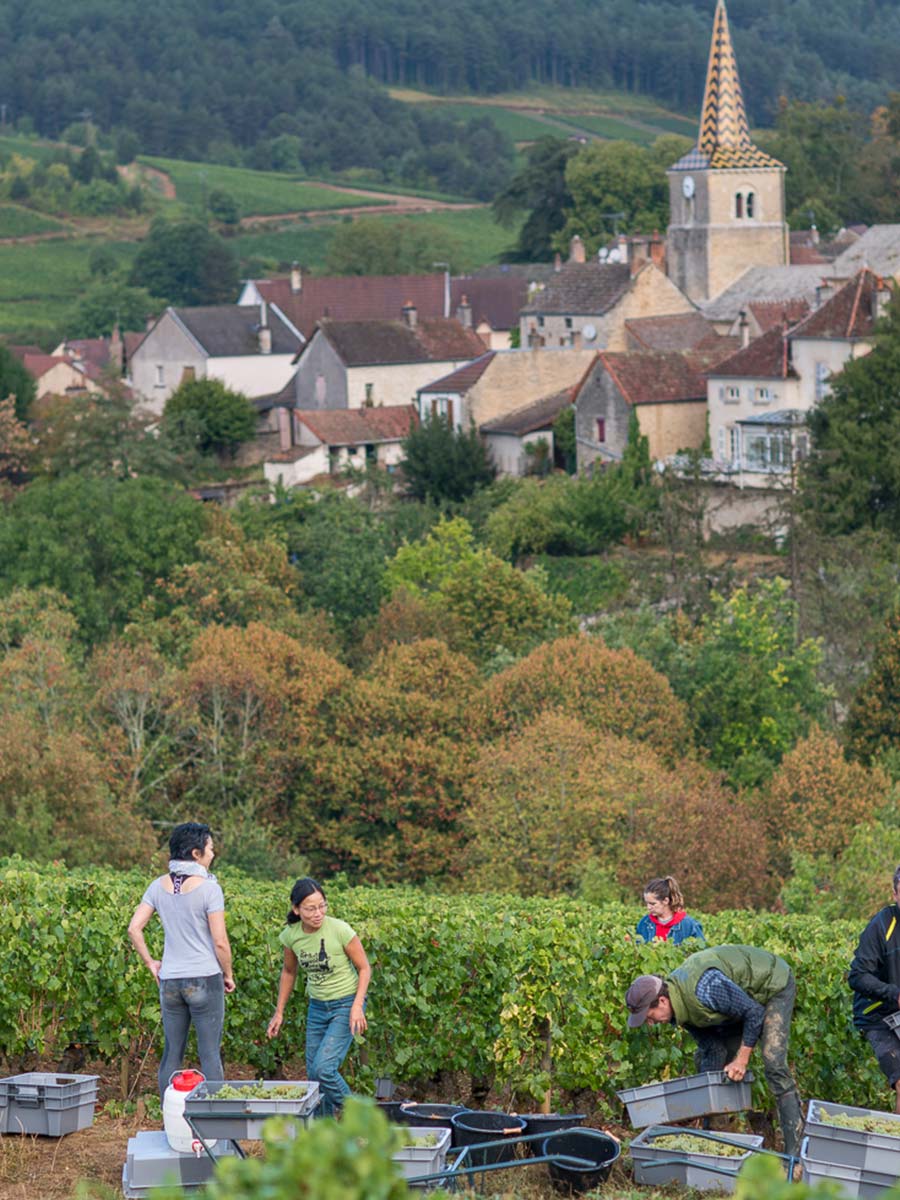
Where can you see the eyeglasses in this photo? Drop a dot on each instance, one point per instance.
(310, 910)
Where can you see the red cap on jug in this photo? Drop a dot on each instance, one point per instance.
(186, 1081)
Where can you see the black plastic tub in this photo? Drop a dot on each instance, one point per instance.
(391, 1109)
(548, 1123)
(472, 1127)
(439, 1115)
(591, 1144)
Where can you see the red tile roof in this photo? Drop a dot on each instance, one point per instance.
(804, 256)
(775, 314)
(383, 343)
(539, 415)
(460, 380)
(39, 364)
(356, 426)
(353, 297)
(850, 313)
(496, 300)
(658, 378)
(767, 357)
(679, 331)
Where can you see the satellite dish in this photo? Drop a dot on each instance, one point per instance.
(589, 332)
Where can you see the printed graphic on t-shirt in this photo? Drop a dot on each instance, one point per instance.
(317, 962)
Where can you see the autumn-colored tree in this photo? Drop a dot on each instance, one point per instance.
(36, 613)
(553, 799)
(16, 447)
(387, 792)
(132, 698)
(404, 619)
(54, 802)
(234, 579)
(613, 691)
(249, 703)
(817, 799)
(705, 835)
(873, 722)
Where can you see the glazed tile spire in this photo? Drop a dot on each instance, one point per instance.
(723, 118)
(724, 133)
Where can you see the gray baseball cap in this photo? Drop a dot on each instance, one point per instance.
(641, 997)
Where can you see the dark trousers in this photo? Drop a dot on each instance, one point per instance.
(183, 1001)
(718, 1044)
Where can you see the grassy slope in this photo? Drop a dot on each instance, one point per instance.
(256, 192)
(472, 237)
(16, 221)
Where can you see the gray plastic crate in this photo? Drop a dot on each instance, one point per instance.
(686, 1097)
(151, 1163)
(851, 1147)
(420, 1159)
(653, 1165)
(238, 1119)
(47, 1103)
(854, 1182)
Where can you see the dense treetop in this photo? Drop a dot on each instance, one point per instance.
(182, 74)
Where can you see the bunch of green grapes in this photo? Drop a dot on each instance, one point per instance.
(259, 1091)
(685, 1143)
(869, 1124)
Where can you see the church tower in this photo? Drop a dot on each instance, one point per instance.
(726, 198)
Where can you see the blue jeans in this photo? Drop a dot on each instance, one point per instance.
(328, 1039)
(201, 1001)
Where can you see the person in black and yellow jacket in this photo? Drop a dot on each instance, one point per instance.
(875, 980)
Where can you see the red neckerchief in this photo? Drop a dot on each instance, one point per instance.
(664, 928)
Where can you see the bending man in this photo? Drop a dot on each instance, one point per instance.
(729, 998)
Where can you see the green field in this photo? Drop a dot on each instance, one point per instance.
(39, 282)
(262, 193)
(472, 237)
(16, 221)
(518, 125)
(610, 129)
(28, 148)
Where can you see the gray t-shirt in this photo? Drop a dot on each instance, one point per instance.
(188, 951)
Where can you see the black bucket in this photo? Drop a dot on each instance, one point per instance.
(439, 1115)
(591, 1144)
(472, 1127)
(548, 1123)
(391, 1109)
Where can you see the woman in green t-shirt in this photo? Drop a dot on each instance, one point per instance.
(337, 978)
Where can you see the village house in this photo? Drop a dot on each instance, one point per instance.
(327, 441)
(499, 383)
(665, 390)
(759, 397)
(356, 364)
(250, 349)
(57, 374)
(585, 305)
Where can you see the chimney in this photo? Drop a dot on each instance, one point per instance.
(296, 279)
(117, 349)
(285, 431)
(263, 313)
(881, 298)
(658, 250)
(464, 313)
(576, 339)
(265, 339)
(410, 314)
(557, 261)
(823, 293)
(744, 329)
(813, 236)
(576, 250)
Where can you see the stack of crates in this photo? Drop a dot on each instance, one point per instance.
(862, 1164)
(46, 1103)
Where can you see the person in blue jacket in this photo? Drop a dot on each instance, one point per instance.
(666, 919)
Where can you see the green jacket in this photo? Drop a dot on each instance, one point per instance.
(761, 975)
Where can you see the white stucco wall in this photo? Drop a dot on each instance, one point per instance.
(395, 384)
(815, 358)
(252, 374)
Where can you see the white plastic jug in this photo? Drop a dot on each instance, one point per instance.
(178, 1133)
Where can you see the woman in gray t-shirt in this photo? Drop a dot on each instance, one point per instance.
(195, 971)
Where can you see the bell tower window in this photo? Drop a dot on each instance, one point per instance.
(751, 205)
(739, 205)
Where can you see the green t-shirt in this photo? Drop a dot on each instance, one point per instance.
(330, 975)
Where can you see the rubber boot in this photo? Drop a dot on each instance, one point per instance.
(790, 1117)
